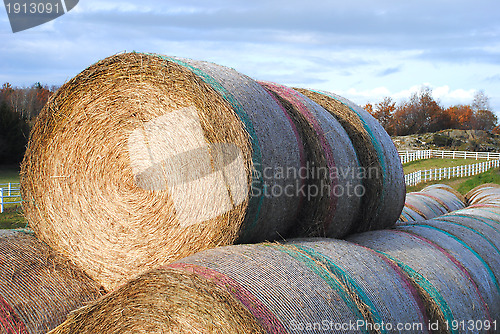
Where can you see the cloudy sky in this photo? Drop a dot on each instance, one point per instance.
(361, 49)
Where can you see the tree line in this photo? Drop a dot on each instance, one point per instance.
(19, 107)
(421, 114)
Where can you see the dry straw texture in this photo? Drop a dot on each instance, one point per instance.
(438, 270)
(284, 288)
(332, 178)
(38, 287)
(164, 301)
(385, 187)
(141, 160)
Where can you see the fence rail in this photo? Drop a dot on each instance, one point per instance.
(412, 155)
(10, 193)
(449, 172)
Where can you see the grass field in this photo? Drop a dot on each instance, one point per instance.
(436, 163)
(464, 184)
(12, 216)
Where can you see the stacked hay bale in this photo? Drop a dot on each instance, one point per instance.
(142, 159)
(334, 188)
(280, 289)
(38, 287)
(378, 157)
(440, 275)
(432, 201)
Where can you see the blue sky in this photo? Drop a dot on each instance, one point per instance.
(363, 50)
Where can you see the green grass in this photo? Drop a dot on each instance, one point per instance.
(12, 216)
(414, 166)
(464, 184)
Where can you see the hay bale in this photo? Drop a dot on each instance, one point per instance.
(447, 188)
(409, 215)
(482, 192)
(479, 270)
(38, 286)
(424, 205)
(286, 288)
(385, 186)
(143, 159)
(164, 301)
(445, 285)
(432, 201)
(334, 189)
(489, 229)
(483, 244)
(449, 198)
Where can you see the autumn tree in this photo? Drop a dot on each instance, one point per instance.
(369, 108)
(384, 113)
(421, 113)
(461, 117)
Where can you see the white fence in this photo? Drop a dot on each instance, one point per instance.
(449, 172)
(10, 193)
(408, 156)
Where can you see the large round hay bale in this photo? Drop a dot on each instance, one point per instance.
(489, 229)
(448, 290)
(410, 215)
(334, 190)
(448, 197)
(38, 286)
(483, 192)
(319, 286)
(424, 205)
(447, 188)
(432, 201)
(167, 302)
(143, 159)
(479, 270)
(483, 244)
(384, 181)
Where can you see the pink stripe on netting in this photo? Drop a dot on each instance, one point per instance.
(265, 317)
(441, 202)
(297, 101)
(407, 283)
(458, 264)
(484, 206)
(301, 148)
(9, 320)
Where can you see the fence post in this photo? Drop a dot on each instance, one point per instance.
(1, 200)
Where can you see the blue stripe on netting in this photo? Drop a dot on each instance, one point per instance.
(490, 272)
(255, 203)
(470, 229)
(347, 280)
(325, 275)
(427, 286)
(482, 219)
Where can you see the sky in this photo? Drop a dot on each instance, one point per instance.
(363, 50)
